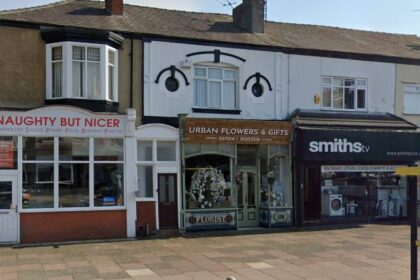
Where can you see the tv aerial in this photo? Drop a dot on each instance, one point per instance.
(226, 3)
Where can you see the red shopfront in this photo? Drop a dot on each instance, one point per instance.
(62, 175)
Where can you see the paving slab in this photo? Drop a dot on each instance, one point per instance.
(364, 252)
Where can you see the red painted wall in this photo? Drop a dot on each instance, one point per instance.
(146, 214)
(67, 226)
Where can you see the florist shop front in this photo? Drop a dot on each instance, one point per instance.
(235, 174)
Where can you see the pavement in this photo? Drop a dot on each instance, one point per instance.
(364, 252)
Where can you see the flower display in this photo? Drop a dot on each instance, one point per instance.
(207, 186)
(270, 194)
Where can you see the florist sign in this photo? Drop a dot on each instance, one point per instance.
(208, 131)
(61, 121)
(210, 220)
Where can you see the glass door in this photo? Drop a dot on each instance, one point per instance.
(248, 187)
(8, 211)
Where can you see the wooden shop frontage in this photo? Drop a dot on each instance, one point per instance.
(235, 174)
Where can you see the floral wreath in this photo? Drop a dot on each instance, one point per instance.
(207, 185)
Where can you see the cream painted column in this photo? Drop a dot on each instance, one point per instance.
(130, 173)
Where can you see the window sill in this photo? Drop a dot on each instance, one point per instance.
(411, 114)
(72, 209)
(343, 110)
(93, 105)
(217, 111)
(144, 199)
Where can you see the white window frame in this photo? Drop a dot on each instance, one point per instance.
(67, 73)
(155, 164)
(410, 89)
(56, 163)
(208, 80)
(51, 71)
(356, 88)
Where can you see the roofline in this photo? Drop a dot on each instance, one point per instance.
(37, 7)
(148, 37)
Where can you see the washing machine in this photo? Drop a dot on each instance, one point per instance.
(336, 205)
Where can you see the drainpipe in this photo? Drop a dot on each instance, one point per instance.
(131, 71)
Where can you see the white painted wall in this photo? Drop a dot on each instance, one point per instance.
(296, 80)
(160, 102)
(151, 132)
(305, 74)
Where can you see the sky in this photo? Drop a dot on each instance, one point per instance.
(394, 16)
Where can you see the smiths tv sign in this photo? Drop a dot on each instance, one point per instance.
(208, 131)
(357, 145)
(338, 146)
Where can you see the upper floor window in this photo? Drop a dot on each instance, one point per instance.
(84, 71)
(411, 99)
(215, 87)
(344, 93)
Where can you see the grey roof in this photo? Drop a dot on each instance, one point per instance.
(217, 27)
(334, 119)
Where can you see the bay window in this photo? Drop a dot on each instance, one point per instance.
(82, 71)
(57, 71)
(344, 93)
(215, 87)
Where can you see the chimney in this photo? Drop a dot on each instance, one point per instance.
(250, 15)
(114, 7)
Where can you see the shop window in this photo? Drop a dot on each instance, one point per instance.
(82, 71)
(73, 172)
(362, 193)
(109, 185)
(344, 93)
(109, 172)
(195, 149)
(411, 99)
(38, 148)
(215, 87)
(73, 149)
(38, 166)
(38, 185)
(108, 149)
(208, 182)
(276, 187)
(8, 152)
(69, 170)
